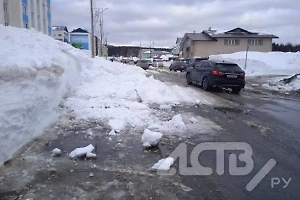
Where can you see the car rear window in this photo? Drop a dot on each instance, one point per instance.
(180, 63)
(143, 61)
(228, 67)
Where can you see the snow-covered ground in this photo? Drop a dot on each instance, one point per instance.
(268, 64)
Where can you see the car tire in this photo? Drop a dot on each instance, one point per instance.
(236, 90)
(205, 84)
(188, 79)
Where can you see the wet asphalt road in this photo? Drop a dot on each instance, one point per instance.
(268, 122)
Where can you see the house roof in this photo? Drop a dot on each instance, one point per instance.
(213, 35)
(79, 30)
(238, 33)
(60, 28)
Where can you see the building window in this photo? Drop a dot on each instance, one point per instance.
(49, 9)
(59, 35)
(231, 42)
(5, 7)
(6, 24)
(25, 25)
(24, 9)
(255, 42)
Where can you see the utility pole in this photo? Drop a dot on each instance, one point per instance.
(246, 57)
(150, 51)
(140, 50)
(92, 29)
(101, 32)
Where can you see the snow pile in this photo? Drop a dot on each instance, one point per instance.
(258, 63)
(121, 94)
(56, 152)
(36, 72)
(285, 85)
(163, 164)
(150, 138)
(83, 151)
(175, 125)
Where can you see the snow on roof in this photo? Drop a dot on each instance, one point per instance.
(59, 28)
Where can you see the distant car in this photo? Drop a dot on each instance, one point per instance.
(210, 73)
(158, 63)
(192, 61)
(144, 64)
(177, 66)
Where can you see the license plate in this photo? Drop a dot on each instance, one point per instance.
(231, 76)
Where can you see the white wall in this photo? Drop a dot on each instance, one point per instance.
(56, 34)
(1, 12)
(15, 13)
(36, 10)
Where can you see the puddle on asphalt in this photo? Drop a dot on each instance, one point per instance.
(229, 110)
(284, 110)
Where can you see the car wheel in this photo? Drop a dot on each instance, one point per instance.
(236, 90)
(188, 79)
(205, 84)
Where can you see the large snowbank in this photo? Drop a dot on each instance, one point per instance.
(122, 95)
(36, 72)
(258, 63)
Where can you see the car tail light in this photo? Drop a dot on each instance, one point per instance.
(217, 73)
(242, 74)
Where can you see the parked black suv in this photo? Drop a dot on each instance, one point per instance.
(211, 73)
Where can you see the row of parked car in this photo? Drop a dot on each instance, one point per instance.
(205, 72)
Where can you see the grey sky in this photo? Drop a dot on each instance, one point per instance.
(161, 21)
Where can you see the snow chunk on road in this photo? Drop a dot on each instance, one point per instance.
(150, 138)
(172, 126)
(193, 120)
(116, 124)
(165, 107)
(78, 152)
(56, 152)
(90, 155)
(177, 121)
(163, 164)
(112, 132)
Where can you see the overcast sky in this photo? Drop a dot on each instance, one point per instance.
(128, 22)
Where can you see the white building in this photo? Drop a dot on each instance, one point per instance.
(27, 14)
(61, 33)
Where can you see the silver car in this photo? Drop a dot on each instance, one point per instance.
(158, 63)
(144, 64)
